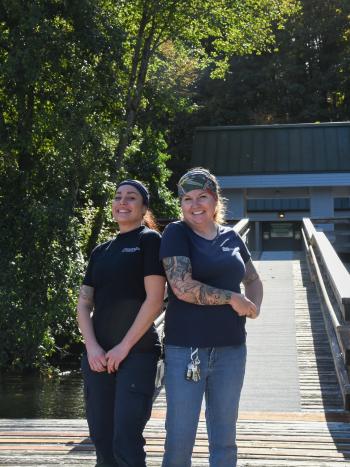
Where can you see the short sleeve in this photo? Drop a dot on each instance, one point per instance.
(88, 278)
(174, 241)
(245, 253)
(150, 245)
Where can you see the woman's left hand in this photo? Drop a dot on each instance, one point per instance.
(243, 306)
(115, 356)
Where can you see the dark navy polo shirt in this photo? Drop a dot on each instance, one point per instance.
(116, 271)
(220, 263)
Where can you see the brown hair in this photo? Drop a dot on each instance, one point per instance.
(150, 221)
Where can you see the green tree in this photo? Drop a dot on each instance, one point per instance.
(204, 31)
(87, 88)
(59, 104)
(304, 79)
(210, 31)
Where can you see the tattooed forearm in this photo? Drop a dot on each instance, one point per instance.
(179, 274)
(251, 274)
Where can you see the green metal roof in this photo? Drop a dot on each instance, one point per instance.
(273, 149)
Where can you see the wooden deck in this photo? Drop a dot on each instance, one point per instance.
(264, 440)
(317, 435)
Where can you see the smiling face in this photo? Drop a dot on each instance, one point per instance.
(198, 208)
(128, 208)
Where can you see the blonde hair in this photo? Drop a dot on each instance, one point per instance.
(220, 211)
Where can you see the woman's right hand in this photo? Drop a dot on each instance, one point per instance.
(97, 358)
(243, 306)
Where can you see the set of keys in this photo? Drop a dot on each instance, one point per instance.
(193, 370)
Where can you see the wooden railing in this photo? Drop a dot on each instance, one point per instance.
(333, 284)
(242, 227)
(159, 324)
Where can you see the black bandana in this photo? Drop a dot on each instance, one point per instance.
(140, 187)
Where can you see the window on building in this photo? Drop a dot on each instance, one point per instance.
(341, 203)
(281, 229)
(278, 204)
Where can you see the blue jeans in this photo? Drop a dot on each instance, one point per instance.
(222, 373)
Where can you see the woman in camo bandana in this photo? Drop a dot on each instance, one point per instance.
(202, 179)
(205, 351)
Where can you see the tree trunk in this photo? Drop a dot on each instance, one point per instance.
(136, 84)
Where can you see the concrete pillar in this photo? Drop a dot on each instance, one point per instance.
(236, 205)
(321, 203)
(322, 207)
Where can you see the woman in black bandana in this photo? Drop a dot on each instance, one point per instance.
(205, 352)
(122, 293)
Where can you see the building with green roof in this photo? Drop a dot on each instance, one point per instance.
(278, 174)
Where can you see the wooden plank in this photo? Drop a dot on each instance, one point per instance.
(317, 436)
(272, 439)
(344, 341)
(331, 322)
(319, 388)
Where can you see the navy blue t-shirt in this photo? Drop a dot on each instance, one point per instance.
(220, 263)
(116, 271)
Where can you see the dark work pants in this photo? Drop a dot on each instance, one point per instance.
(118, 406)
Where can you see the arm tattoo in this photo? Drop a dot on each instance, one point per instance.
(179, 274)
(251, 274)
(87, 294)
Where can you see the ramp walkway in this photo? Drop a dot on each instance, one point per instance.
(271, 340)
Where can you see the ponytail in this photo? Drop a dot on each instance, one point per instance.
(150, 221)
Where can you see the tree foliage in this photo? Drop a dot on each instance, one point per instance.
(205, 30)
(88, 91)
(57, 80)
(306, 78)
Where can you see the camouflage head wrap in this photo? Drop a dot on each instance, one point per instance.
(197, 179)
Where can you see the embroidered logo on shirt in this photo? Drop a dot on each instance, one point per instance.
(233, 250)
(130, 250)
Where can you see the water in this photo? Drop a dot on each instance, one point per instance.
(36, 396)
